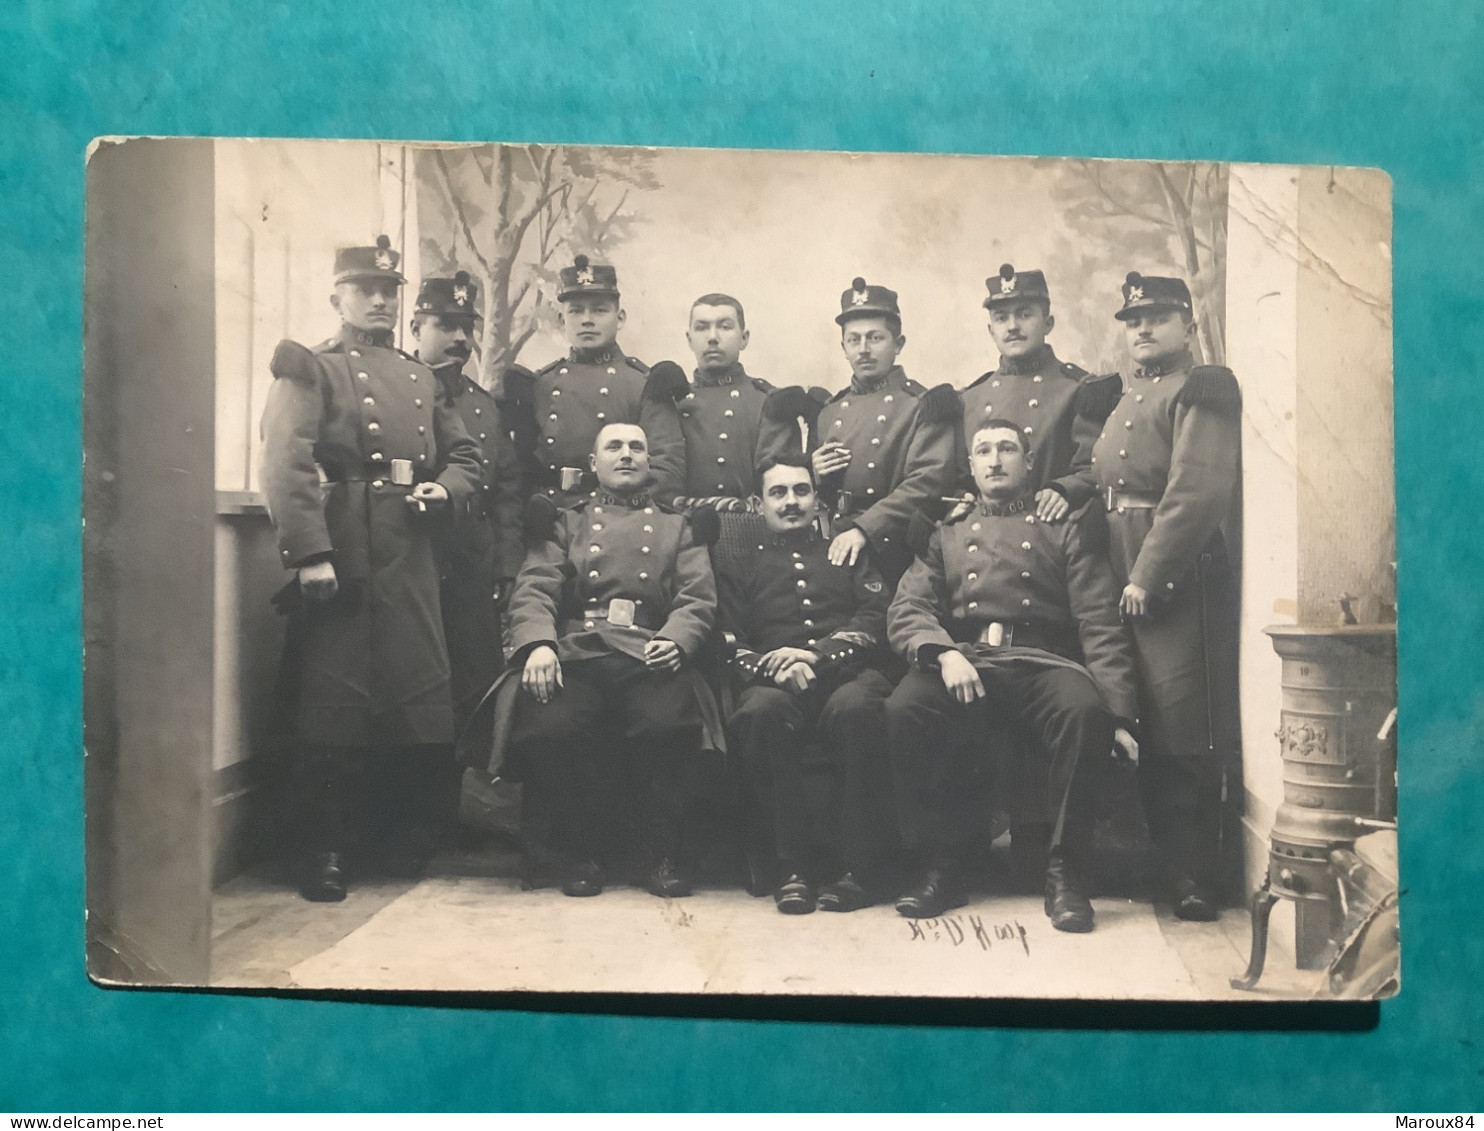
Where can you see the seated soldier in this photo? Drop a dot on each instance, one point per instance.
(1007, 619)
(806, 636)
(608, 612)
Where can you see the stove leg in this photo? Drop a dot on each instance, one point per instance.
(1262, 907)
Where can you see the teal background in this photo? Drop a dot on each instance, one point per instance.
(1363, 82)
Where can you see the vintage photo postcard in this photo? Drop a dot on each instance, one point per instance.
(557, 568)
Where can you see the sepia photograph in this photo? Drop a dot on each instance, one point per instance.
(559, 568)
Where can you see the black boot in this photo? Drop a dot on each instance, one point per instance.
(1066, 906)
(324, 879)
(665, 880)
(938, 890)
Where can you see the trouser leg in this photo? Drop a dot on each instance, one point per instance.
(1071, 737)
(1182, 802)
(553, 751)
(935, 813)
(661, 722)
(328, 777)
(767, 735)
(852, 728)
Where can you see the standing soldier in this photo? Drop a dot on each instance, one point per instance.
(1007, 620)
(887, 445)
(1168, 465)
(1060, 407)
(557, 414)
(733, 423)
(478, 557)
(360, 452)
(613, 603)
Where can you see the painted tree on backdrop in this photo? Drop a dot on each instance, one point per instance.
(1157, 217)
(514, 215)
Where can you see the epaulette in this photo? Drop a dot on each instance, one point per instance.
(538, 520)
(705, 525)
(760, 385)
(666, 382)
(1075, 372)
(516, 385)
(1213, 386)
(330, 345)
(637, 364)
(983, 377)
(551, 367)
(914, 387)
(1098, 396)
(292, 360)
(941, 404)
(791, 403)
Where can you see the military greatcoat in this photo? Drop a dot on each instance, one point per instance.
(902, 440)
(732, 423)
(1168, 464)
(486, 548)
(1061, 409)
(348, 429)
(557, 414)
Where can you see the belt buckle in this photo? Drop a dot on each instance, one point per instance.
(402, 472)
(996, 634)
(571, 478)
(621, 612)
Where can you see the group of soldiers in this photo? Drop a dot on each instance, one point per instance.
(862, 599)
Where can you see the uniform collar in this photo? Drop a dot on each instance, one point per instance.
(734, 374)
(861, 388)
(355, 336)
(1001, 510)
(604, 356)
(1033, 362)
(451, 376)
(1166, 365)
(795, 539)
(630, 502)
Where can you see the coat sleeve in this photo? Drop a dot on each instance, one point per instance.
(660, 420)
(693, 606)
(930, 454)
(536, 604)
(1093, 593)
(1204, 468)
(852, 644)
(507, 493)
(460, 456)
(290, 428)
(920, 608)
(734, 615)
(1095, 399)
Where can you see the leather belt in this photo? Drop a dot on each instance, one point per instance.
(621, 612)
(1061, 639)
(399, 472)
(1125, 501)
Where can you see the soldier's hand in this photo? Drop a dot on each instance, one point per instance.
(426, 495)
(1126, 744)
(1051, 506)
(798, 676)
(830, 457)
(847, 546)
(662, 655)
(1134, 604)
(317, 582)
(960, 677)
(542, 676)
(779, 658)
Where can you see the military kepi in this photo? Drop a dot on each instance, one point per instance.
(1011, 285)
(449, 297)
(586, 278)
(861, 301)
(379, 262)
(1152, 292)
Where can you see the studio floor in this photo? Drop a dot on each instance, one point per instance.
(469, 927)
